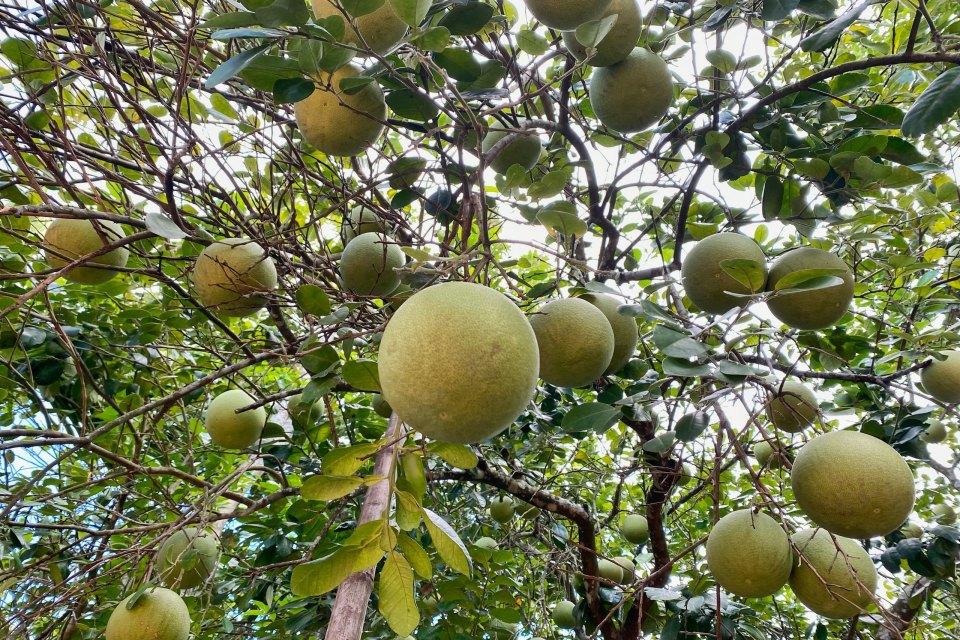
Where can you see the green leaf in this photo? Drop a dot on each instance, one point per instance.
(531, 42)
(690, 426)
(684, 369)
(289, 90)
(724, 61)
(456, 455)
(677, 345)
(829, 34)
(357, 8)
(589, 34)
(163, 226)
(408, 513)
(137, 597)
(355, 84)
(282, 13)
(328, 488)
(313, 300)
(936, 104)
(320, 576)
(244, 33)
(562, 216)
(233, 66)
(395, 595)
(459, 63)
(466, 19)
(412, 105)
(230, 20)
(319, 359)
(310, 56)
(591, 416)
(772, 201)
(412, 12)
(803, 279)
(415, 555)
(549, 185)
(660, 444)
(433, 39)
(447, 543)
(362, 375)
(750, 273)
(775, 10)
(344, 461)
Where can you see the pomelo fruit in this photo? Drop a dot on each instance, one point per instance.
(911, 530)
(749, 554)
(633, 94)
(768, 456)
(232, 276)
(378, 31)
(635, 529)
(159, 614)
(944, 514)
(338, 123)
(187, 558)
(628, 569)
(941, 378)
(609, 570)
(359, 220)
(833, 576)
(619, 41)
(501, 509)
(458, 362)
(935, 432)
(566, 15)
(575, 341)
(381, 407)
(625, 331)
(368, 264)
(230, 429)
(794, 407)
(563, 614)
(524, 149)
(73, 239)
(704, 279)
(852, 484)
(815, 309)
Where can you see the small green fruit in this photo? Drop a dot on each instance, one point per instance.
(704, 278)
(816, 309)
(564, 615)
(230, 429)
(625, 331)
(609, 570)
(502, 509)
(911, 530)
(635, 529)
(628, 569)
(944, 514)
(232, 276)
(619, 41)
(935, 432)
(486, 543)
(524, 149)
(941, 378)
(378, 31)
(633, 94)
(381, 407)
(187, 558)
(369, 263)
(764, 453)
(361, 220)
(794, 408)
(566, 15)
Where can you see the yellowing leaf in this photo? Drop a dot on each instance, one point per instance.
(329, 487)
(415, 555)
(395, 595)
(346, 460)
(447, 543)
(320, 576)
(408, 511)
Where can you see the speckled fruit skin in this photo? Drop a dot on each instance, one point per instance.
(341, 124)
(563, 614)
(233, 430)
(360, 220)
(704, 279)
(501, 509)
(187, 558)
(575, 340)
(941, 378)
(523, 150)
(935, 432)
(231, 275)
(368, 264)
(619, 41)
(76, 238)
(458, 362)
(609, 570)
(379, 31)
(628, 569)
(625, 331)
(749, 554)
(160, 614)
(633, 94)
(635, 529)
(815, 309)
(834, 579)
(794, 408)
(566, 15)
(852, 484)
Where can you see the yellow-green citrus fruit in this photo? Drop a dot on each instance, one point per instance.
(501, 509)
(486, 543)
(619, 41)
(379, 31)
(609, 570)
(230, 429)
(563, 614)
(381, 406)
(816, 309)
(794, 408)
(575, 341)
(361, 220)
(852, 484)
(524, 149)
(369, 263)
(187, 558)
(338, 123)
(566, 15)
(911, 530)
(628, 569)
(633, 94)
(941, 378)
(833, 579)
(159, 614)
(625, 331)
(749, 554)
(231, 277)
(935, 432)
(704, 279)
(944, 514)
(635, 529)
(73, 239)
(764, 453)
(458, 362)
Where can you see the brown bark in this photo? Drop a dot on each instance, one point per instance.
(897, 619)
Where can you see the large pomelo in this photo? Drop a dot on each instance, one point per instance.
(625, 331)
(749, 554)
(231, 276)
(158, 614)
(369, 263)
(230, 429)
(187, 558)
(575, 341)
(566, 15)
(633, 94)
(379, 31)
(815, 309)
(339, 123)
(73, 239)
(941, 378)
(833, 576)
(635, 529)
(794, 407)
(458, 362)
(524, 149)
(619, 41)
(705, 280)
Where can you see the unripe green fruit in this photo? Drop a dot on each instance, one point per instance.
(635, 529)
(609, 570)
(524, 149)
(944, 514)
(338, 123)
(575, 342)
(566, 15)
(765, 454)
(794, 408)
(563, 614)
(852, 484)
(361, 220)
(381, 406)
(187, 558)
(159, 614)
(458, 362)
(911, 530)
(230, 429)
(935, 432)
(501, 509)
(619, 41)
(749, 554)
(625, 331)
(378, 31)
(633, 94)
(231, 277)
(73, 239)
(628, 569)
(833, 579)
(369, 263)
(941, 378)
(704, 279)
(816, 309)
